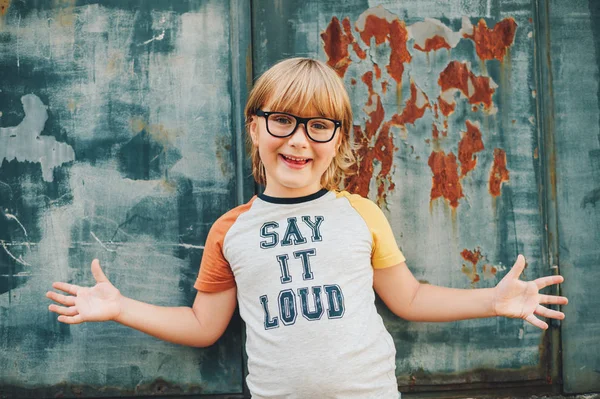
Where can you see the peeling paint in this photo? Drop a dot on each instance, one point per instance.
(382, 25)
(24, 142)
(432, 34)
(493, 43)
(470, 144)
(458, 77)
(499, 173)
(445, 181)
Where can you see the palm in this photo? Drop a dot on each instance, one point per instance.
(98, 303)
(521, 299)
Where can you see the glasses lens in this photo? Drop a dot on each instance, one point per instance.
(321, 129)
(281, 124)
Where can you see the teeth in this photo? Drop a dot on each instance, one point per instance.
(295, 159)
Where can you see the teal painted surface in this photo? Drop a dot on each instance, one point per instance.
(575, 63)
(117, 141)
(433, 234)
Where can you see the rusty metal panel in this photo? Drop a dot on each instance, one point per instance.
(117, 141)
(574, 62)
(445, 113)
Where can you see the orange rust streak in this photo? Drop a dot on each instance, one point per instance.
(396, 34)
(348, 31)
(499, 173)
(445, 180)
(433, 44)
(336, 47)
(467, 147)
(435, 111)
(493, 43)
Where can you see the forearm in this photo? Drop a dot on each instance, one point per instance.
(435, 303)
(178, 325)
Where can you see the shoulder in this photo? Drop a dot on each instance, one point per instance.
(228, 219)
(366, 208)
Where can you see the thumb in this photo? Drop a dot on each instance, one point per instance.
(518, 267)
(99, 275)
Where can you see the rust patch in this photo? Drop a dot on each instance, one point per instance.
(383, 26)
(348, 31)
(458, 76)
(435, 110)
(384, 86)
(335, 43)
(433, 44)
(493, 43)
(445, 182)
(414, 108)
(4, 5)
(499, 173)
(353, 81)
(472, 257)
(376, 114)
(470, 144)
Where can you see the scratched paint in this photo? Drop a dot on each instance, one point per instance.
(432, 34)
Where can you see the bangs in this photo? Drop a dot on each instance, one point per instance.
(306, 91)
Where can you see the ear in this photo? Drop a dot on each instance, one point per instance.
(253, 129)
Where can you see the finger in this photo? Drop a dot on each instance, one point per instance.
(60, 298)
(70, 311)
(545, 312)
(553, 300)
(518, 267)
(66, 287)
(97, 272)
(70, 319)
(536, 322)
(543, 282)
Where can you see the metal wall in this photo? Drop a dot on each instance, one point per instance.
(121, 137)
(118, 140)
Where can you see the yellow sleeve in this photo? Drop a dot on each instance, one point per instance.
(385, 251)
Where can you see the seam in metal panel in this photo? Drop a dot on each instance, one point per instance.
(547, 168)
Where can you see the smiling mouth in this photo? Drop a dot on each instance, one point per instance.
(295, 160)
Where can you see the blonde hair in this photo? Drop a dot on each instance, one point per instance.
(293, 85)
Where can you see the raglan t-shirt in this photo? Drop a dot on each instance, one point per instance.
(303, 268)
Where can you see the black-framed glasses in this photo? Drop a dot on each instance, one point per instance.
(282, 124)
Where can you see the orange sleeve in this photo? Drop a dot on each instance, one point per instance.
(215, 272)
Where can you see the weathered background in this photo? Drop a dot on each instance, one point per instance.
(121, 137)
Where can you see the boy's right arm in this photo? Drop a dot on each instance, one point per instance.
(198, 326)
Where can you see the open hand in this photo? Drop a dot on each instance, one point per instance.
(521, 299)
(101, 302)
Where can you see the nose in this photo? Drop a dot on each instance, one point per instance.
(299, 138)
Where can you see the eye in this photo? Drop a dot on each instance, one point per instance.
(282, 119)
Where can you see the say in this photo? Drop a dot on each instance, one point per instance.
(292, 235)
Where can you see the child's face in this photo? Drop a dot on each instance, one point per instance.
(286, 178)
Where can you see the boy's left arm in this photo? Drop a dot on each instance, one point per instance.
(514, 298)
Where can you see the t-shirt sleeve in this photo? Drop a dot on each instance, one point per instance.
(385, 251)
(215, 272)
